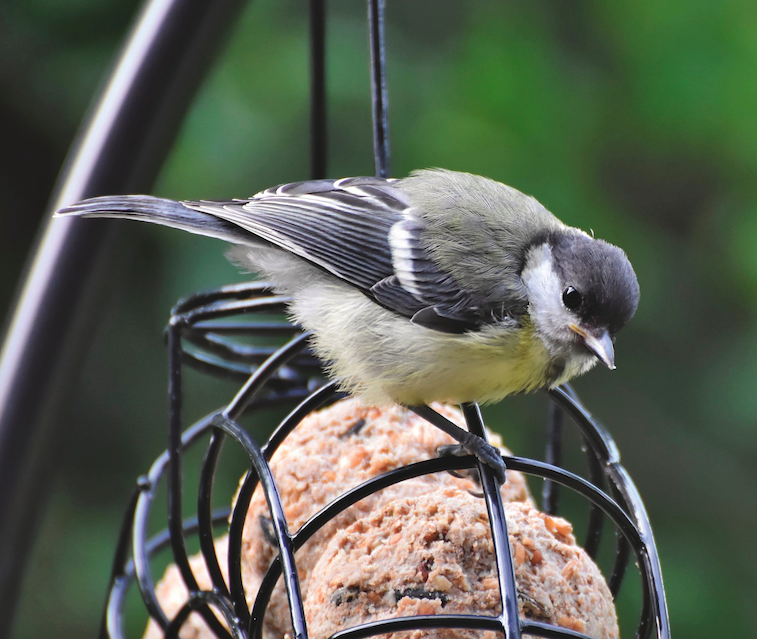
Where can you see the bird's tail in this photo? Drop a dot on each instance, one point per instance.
(156, 210)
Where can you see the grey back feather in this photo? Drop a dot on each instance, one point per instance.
(479, 231)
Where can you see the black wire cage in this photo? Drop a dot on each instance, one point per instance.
(205, 332)
(211, 332)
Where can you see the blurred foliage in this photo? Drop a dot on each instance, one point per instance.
(635, 119)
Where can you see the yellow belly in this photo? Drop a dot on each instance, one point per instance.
(385, 358)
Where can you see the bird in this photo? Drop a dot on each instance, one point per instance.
(439, 286)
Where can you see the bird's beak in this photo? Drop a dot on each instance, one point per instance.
(599, 343)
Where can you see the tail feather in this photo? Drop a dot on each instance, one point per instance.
(156, 210)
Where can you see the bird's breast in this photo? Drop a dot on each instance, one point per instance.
(485, 366)
(386, 358)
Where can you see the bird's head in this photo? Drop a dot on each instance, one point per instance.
(581, 292)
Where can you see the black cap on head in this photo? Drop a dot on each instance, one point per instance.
(603, 276)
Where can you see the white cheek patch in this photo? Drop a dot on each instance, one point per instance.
(549, 315)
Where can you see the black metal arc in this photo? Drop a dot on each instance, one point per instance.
(208, 332)
(585, 488)
(225, 350)
(594, 432)
(654, 600)
(264, 373)
(596, 519)
(124, 572)
(205, 512)
(140, 548)
(207, 363)
(597, 474)
(262, 329)
(539, 629)
(420, 622)
(654, 605)
(224, 308)
(472, 622)
(120, 148)
(319, 398)
(278, 520)
(197, 601)
(121, 557)
(234, 410)
(243, 290)
(620, 565)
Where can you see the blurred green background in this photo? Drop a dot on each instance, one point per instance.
(635, 119)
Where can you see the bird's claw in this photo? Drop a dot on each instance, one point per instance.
(485, 453)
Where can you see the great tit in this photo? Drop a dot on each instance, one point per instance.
(441, 286)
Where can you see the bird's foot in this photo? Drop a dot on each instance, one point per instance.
(469, 443)
(483, 451)
(458, 450)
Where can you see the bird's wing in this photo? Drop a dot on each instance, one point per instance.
(341, 226)
(363, 231)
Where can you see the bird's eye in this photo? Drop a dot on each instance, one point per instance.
(571, 298)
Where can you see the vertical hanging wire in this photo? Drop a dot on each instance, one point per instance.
(509, 617)
(379, 93)
(318, 135)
